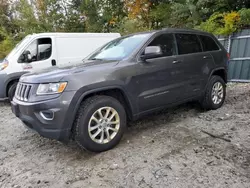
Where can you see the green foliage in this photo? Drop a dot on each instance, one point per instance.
(232, 23)
(185, 14)
(132, 26)
(22, 17)
(245, 17)
(213, 23)
(6, 43)
(160, 15)
(222, 23)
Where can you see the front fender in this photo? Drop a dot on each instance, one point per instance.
(5, 79)
(82, 93)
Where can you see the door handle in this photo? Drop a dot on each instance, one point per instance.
(176, 61)
(206, 57)
(53, 62)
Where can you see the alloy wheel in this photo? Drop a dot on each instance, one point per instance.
(217, 93)
(104, 125)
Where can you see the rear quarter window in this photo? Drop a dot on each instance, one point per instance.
(188, 43)
(208, 43)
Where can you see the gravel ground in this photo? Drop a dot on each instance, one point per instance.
(170, 149)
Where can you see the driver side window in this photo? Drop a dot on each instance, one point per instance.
(30, 54)
(167, 44)
(38, 50)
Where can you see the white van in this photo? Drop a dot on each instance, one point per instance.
(40, 51)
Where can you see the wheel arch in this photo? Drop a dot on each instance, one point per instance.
(12, 78)
(113, 91)
(220, 72)
(9, 84)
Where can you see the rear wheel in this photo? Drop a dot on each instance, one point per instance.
(215, 94)
(100, 123)
(12, 90)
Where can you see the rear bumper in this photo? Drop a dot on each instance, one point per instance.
(32, 115)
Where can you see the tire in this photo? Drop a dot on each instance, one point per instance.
(11, 91)
(83, 123)
(208, 103)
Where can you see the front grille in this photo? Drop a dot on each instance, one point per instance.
(23, 91)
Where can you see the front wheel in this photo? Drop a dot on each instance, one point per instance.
(100, 123)
(215, 94)
(11, 91)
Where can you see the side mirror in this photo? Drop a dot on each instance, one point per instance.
(27, 56)
(21, 58)
(152, 52)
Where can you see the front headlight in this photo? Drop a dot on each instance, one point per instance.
(51, 88)
(4, 64)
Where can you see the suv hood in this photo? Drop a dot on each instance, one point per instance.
(56, 74)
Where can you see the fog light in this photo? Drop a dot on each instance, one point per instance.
(47, 115)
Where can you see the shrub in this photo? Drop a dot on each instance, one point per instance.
(222, 23)
(245, 17)
(232, 23)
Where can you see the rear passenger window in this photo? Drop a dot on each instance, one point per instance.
(167, 44)
(188, 43)
(208, 43)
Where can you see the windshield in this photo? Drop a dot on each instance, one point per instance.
(120, 48)
(19, 45)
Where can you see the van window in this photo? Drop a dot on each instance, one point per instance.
(167, 44)
(32, 51)
(208, 43)
(44, 49)
(38, 50)
(188, 43)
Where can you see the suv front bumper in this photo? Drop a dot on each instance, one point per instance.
(54, 127)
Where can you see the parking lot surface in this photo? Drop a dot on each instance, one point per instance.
(179, 147)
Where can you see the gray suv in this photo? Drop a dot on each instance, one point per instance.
(126, 79)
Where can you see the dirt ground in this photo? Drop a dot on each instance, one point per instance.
(170, 149)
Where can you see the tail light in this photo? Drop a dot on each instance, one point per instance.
(228, 57)
(4, 64)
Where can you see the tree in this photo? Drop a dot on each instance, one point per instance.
(51, 14)
(185, 14)
(6, 43)
(160, 15)
(138, 9)
(245, 17)
(6, 17)
(222, 23)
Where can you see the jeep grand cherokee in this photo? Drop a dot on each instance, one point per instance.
(127, 78)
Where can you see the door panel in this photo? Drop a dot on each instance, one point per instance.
(42, 53)
(158, 78)
(195, 68)
(159, 82)
(194, 63)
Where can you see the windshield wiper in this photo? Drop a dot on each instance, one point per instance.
(97, 59)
